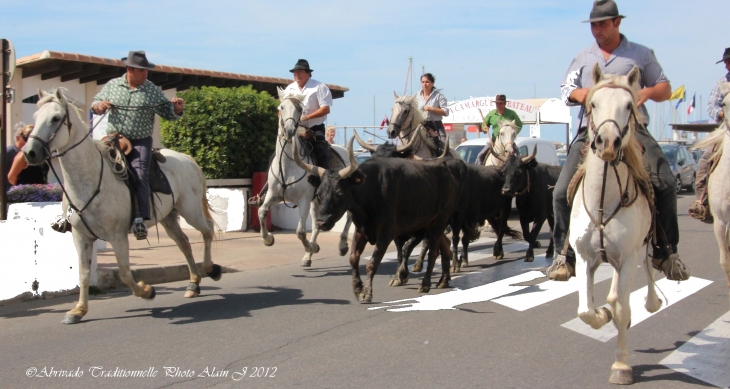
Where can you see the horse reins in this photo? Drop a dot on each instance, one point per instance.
(285, 141)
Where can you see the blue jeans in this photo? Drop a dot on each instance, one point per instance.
(139, 161)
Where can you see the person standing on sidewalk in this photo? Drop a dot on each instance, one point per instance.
(700, 209)
(615, 54)
(134, 100)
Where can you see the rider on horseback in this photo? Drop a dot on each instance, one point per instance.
(700, 209)
(617, 55)
(434, 107)
(492, 122)
(317, 103)
(134, 101)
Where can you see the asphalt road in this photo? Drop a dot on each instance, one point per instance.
(290, 327)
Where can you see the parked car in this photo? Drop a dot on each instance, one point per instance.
(682, 163)
(545, 149)
(562, 157)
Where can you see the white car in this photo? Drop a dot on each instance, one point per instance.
(545, 149)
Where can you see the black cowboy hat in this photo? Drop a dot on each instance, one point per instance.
(500, 99)
(602, 10)
(137, 59)
(725, 56)
(302, 64)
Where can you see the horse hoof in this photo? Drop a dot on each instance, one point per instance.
(344, 250)
(455, 269)
(621, 375)
(464, 263)
(306, 262)
(549, 254)
(417, 268)
(394, 282)
(443, 285)
(71, 319)
(193, 290)
(153, 293)
(366, 298)
(424, 289)
(269, 242)
(215, 274)
(500, 256)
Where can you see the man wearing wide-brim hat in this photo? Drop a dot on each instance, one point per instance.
(134, 100)
(317, 103)
(615, 54)
(700, 209)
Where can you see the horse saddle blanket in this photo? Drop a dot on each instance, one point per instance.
(157, 178)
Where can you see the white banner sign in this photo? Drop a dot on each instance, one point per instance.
(467, 111)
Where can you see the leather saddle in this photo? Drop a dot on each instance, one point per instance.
(157, 179)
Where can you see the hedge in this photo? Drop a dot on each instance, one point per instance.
(230, 132)
(34, 193)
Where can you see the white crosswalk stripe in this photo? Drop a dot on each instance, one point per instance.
(706, 356)
(673, 292)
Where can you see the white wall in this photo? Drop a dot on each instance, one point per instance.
(35, 252)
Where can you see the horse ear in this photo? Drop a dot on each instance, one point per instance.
(280, 91)
(597, 74)
(396, 95)
(58, 94)
(633, 76)
(41, 93)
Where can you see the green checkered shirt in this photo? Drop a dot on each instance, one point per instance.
(134, 123)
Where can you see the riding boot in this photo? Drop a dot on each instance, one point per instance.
(439, 144)
(258, 200)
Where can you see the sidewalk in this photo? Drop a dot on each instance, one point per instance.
(162, 261)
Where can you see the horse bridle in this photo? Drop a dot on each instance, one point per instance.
(624, 202)
(283, 141)
(67, 120)
(400, 120)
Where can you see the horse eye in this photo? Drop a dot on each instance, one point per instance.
(593, 105)
(629, 105)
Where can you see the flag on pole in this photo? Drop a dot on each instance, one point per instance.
(680, 101)
(678, 94)
(385, 122)
(691, 106)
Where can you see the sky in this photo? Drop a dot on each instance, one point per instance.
(474, 49)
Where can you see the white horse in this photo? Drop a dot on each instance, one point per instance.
(717, 186)
(406, 123)
(615, 182)
(100, 201)
(505, 143)
(288, 182)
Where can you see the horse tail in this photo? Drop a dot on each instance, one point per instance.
(207, 208)
(514, 234)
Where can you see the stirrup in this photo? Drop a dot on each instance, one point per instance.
(560, 269)
(61, 225)
(256, 201)
(672, 267)
(139, 229)
(700, 211)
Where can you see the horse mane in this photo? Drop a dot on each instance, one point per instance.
(632, 152)
(285, 95)
(72, 106)
(716, 140)
(413, 104)
(505, 122)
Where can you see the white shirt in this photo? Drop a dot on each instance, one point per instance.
(317, 95)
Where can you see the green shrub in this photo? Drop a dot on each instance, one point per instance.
(230, 132)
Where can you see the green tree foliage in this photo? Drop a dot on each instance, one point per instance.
(230, 132)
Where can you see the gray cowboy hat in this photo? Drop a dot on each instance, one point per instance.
(137, 59)
(302, 64)
(500, 99)
(602, 10)
(725, 56)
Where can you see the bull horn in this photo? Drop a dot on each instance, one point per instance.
(531, 156)
(406, 147)
(348, 170)
(310, 168)
(446, 147)
(495, 155)
(363, 144)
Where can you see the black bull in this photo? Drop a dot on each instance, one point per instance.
(481, 200)
(532, 185)
(389, 198)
